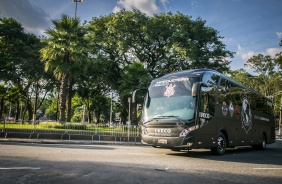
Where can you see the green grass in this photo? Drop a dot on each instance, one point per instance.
(68, 126)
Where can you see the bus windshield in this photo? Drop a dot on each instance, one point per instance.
(168, 98)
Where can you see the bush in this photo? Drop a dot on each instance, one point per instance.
(75, 126)
(56, 125)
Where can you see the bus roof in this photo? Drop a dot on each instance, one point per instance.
(194, 72)
(199, 73)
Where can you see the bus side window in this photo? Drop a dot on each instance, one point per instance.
(208, 94)
(210, 79)
(207, 101)
(222, 92)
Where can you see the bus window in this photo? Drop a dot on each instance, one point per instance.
(207, 100)
(210, 79)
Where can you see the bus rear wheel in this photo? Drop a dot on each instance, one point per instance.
(221, 145)
(262, 145)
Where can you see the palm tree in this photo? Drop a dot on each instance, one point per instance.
(65, 49)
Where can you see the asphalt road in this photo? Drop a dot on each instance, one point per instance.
(31, 163)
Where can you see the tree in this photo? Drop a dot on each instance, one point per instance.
(174, 42)
(89, 87)
(269, 79)
(264, 66)
(278, 60)
(11, 47)
(65, 49)
(21, 67)
(162, 43)
(241, 76)
(130, 83)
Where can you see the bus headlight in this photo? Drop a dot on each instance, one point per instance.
(144, 131)
(183, 133)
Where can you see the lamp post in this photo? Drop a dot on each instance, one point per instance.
(280, 119)
(128, 125)
(129, 101)
(280, 109)
(111, 111)
(76, 1)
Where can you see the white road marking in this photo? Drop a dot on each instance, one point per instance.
(19, 168)
(268, 168)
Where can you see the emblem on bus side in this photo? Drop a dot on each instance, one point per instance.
(224, 109)
(231, 109)
(169, 90)
(246, 115)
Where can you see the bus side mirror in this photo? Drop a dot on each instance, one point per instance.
(134, 94)
(195, 89)
(196, 86)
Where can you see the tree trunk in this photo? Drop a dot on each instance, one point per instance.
(29, 110)
(68, 119)
(88, 114)
(1, 107)
(17, 111)
(98, 115)
(35, 104)
(134, 114)
(63, 94)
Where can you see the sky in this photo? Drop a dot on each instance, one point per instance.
(249, 27)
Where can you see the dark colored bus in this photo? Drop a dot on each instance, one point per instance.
(202, 108)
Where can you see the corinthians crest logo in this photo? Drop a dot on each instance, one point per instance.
(246, 115)
(169, 90)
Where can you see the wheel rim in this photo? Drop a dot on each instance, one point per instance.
(263, 143)
(220, 144)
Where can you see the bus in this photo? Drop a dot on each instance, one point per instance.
(202, 108)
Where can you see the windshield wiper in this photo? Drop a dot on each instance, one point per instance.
(164, 117)
(155, 117)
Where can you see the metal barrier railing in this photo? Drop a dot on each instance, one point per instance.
(119, 132)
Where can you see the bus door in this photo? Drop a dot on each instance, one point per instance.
(206, 109)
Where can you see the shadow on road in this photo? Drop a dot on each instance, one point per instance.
(93, 172)
(63, 146)
(272, 154)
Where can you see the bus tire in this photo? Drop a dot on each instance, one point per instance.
(262, 145)
(175, 149)
(221, 145)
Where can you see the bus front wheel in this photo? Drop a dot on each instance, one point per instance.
(221, 145)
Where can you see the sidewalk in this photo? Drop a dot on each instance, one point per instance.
(53, 141)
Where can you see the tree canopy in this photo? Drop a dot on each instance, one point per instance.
(115, 53)
(65, 53)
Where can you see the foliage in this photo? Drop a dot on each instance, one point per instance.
(162, 43)
(64, 52)
(51, 109)
(21, 70)
(269, 78)
(116, 53)
(265, 67)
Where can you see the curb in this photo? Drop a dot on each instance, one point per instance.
(52, 141)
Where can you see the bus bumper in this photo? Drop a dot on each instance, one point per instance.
(167, 142)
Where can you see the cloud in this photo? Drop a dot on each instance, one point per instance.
(245, 55)
(164, 2)
(33, 19)
(279, 34)
(148, 7)
(196, 5)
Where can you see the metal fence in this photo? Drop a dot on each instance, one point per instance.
(74, 131)
(71, 131)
